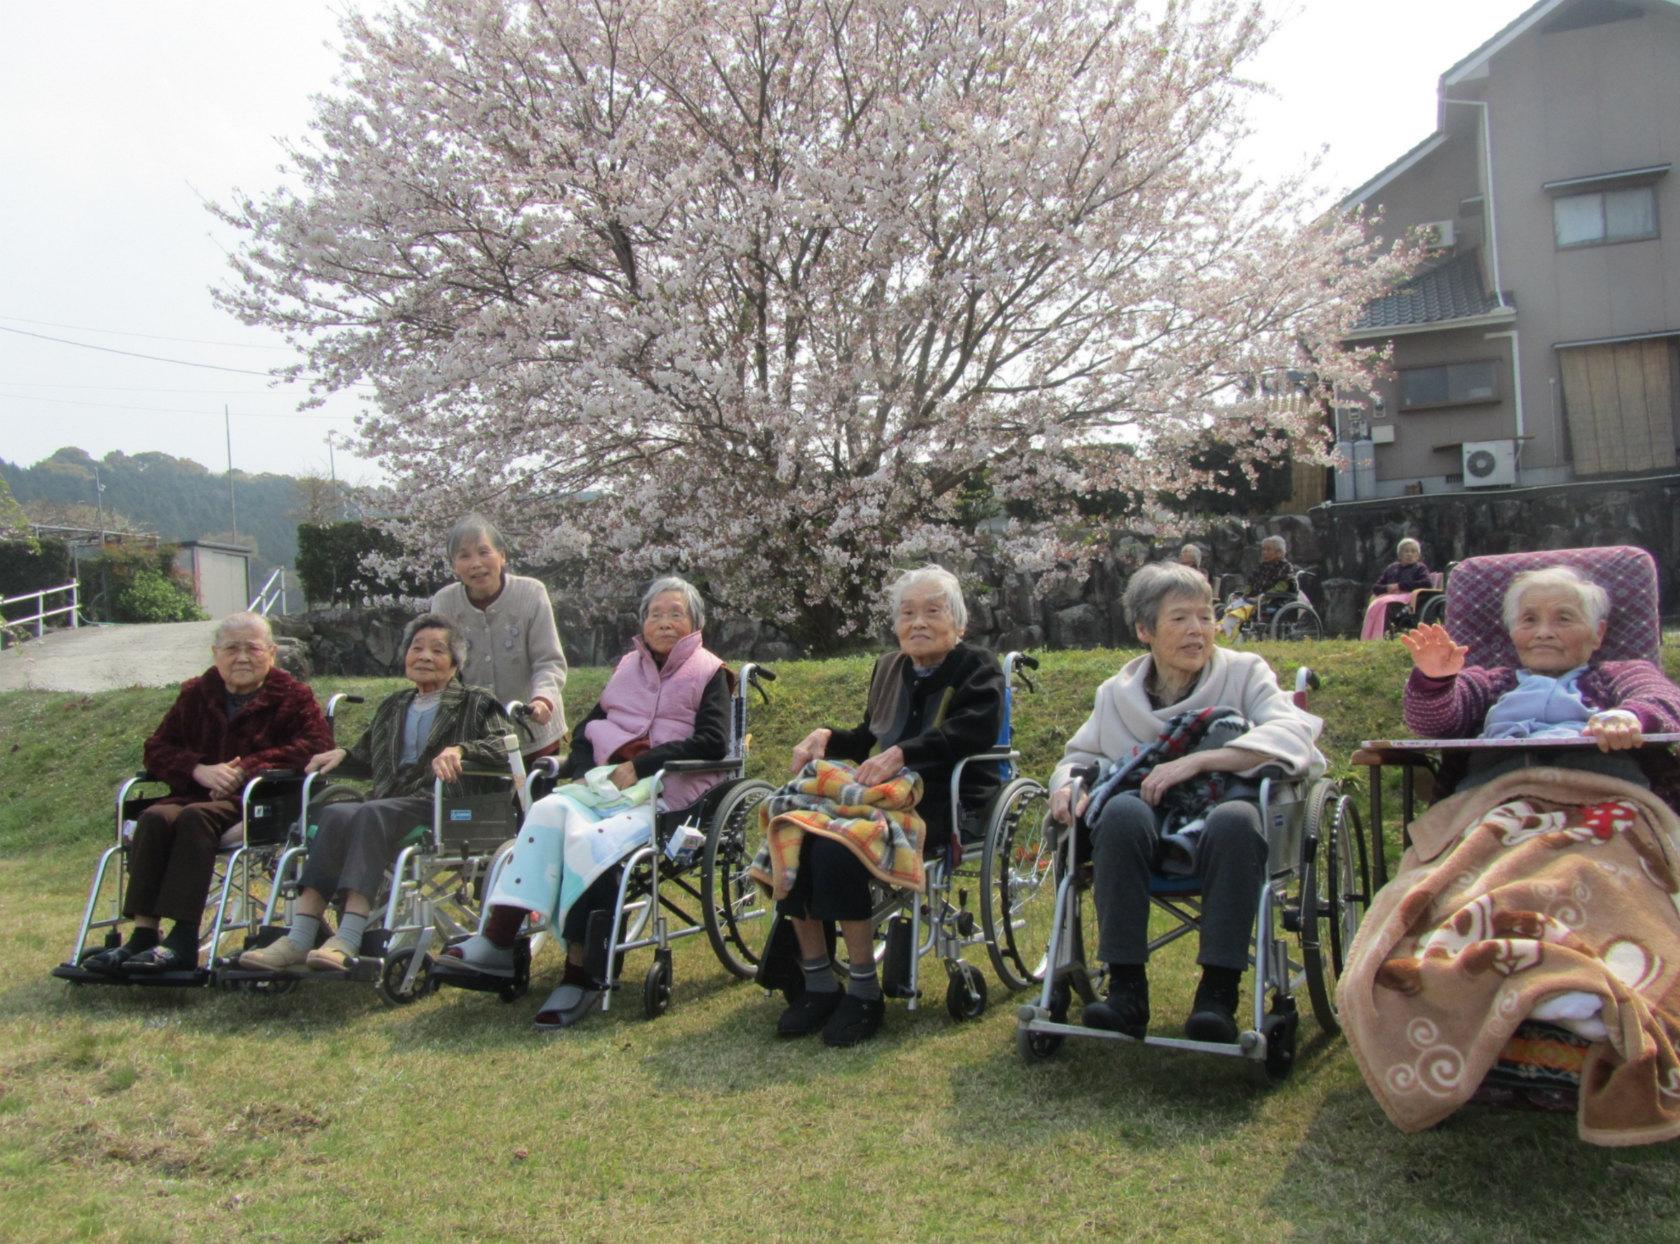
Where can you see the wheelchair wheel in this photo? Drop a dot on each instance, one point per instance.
(1434, 609)
(737, 911)
(1034, 1047)
(1335, 890)
(1018, 883)
(1295, 620)
(965, 993)
(656, 986)
(396, 968)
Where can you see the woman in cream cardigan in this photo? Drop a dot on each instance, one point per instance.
(1184, 671)
(513, 648)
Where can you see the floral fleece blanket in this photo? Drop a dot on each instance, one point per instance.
(1547, 893)
(878, 823)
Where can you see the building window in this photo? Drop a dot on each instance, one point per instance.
(1449, 384)
(1605, 216)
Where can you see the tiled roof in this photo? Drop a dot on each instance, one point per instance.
(1451, 290)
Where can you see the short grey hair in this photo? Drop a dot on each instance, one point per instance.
(1595, 601)
(451, 633)
(1410, 544)
(242, 621)
(1276, 542)
(938, 578)
(472, 525)
(1195, 554)
(1150, 587)
(672, 583)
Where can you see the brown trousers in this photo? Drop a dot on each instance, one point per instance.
(172, 858)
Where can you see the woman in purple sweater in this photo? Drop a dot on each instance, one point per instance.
(1556, 620)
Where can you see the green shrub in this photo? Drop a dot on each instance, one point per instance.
(329, 564)
(30, 565)
(152, 596)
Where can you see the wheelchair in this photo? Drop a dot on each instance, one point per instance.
(1007, 868)
(1278, 615)
(1314, 895)
(432, 893)
(691, 879)
(1540, 1066)
(271, 813)
(1425, 605)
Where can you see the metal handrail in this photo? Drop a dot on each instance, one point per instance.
(263, 601)
(39, 618)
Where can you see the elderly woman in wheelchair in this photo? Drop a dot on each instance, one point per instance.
(932, 702)
(668, 700)
(1527, 947)
(1170, 693)
(433, 730)
(240, 718)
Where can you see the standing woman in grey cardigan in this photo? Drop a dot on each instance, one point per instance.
(513, 648)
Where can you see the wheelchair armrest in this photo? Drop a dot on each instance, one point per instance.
(699, 766)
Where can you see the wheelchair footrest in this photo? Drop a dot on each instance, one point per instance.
(187, 978)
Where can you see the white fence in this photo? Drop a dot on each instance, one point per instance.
(272, 593)
(42, 613)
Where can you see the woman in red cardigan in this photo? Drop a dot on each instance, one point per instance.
(237, 719)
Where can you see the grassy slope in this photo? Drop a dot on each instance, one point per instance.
(325, 1115)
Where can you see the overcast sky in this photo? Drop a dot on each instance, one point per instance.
(123, 118)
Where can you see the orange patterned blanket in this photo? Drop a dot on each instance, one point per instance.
(878, 823)
(1541, 886)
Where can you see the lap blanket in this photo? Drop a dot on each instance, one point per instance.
(1376, 613)
(878, 823)
(1542, 892)
(567, 841)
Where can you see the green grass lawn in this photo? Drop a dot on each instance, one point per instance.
(327, 1115)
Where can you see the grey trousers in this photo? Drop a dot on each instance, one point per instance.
(356, 842)
(1230, 863)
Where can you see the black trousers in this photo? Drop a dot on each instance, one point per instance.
(830, 884)
(172, 857)
(1230, 863)
(356, 842)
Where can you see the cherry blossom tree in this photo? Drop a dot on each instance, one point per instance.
(764, 291)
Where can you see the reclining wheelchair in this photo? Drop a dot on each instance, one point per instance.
(271, 814)
(432, 891)
(691, 879)
(1540, 1066)
(1314, 893)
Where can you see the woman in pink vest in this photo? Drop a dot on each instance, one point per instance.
(667, 700)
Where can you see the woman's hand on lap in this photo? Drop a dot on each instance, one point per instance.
(881, 767)
(624, 776)
(325, 762)
(1162, 778)
(813, 746)
(447, 764)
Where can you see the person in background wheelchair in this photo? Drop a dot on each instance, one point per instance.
(1394, 590)
(1184, 671)
(241, 717)
(931, 703)
(667, 700)
(1272, 583)
(513, 647)
(432, 730)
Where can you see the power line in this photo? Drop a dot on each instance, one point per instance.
(172, 410)
(133, 388)
(65, 341)
(119, 332)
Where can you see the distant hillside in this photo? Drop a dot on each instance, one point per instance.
(176, 497)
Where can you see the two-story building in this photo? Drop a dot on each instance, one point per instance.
(1540, 341)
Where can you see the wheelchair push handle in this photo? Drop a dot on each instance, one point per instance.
(1015, 663)
(341, 697)
(755, 676)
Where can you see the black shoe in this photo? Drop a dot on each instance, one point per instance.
(1213, 1015)
(855, 1019)
(108, 962)
(160, 958)
(808, 1013)
(1125, 1010)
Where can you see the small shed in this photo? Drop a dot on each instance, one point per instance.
(221, 575)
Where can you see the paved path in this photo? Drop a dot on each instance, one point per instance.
(103, 658)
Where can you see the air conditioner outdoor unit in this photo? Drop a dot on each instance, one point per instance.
(1438, 235)
(1489, 464)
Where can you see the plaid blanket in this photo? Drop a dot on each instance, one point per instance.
(1539, 887)
(878, 823)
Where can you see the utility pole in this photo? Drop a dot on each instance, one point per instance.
(99, 503)
(332, 470)
(233, 508)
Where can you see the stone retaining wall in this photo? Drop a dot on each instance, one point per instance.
(1347, 545)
